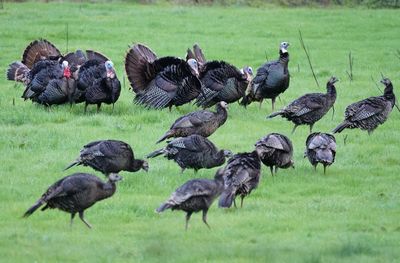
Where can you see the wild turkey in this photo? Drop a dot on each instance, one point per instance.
(76, 193)
(369, 113)
(161, 82)
(220, 80)
(45, 72)
(241, 177)
(275, 150)
(200, 122)
(271, 79)
(194, 151)
(99, 83)
(309, 108)
(194, 196)
(320, 148)
(109, 156)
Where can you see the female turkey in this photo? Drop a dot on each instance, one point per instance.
(241, 177)
(194, 151)
(275, 150)
(220, 80)
(200, 122)
(76, 193)
(369, 113)
(194, 196)
(320, 148)
(271, 79)
(161, 82)
(309, 108)
(109, 156)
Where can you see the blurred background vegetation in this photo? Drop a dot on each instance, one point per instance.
(257, 3)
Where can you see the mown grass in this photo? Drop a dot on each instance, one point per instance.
(349, 215)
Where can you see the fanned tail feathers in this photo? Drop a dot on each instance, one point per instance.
(17, 71)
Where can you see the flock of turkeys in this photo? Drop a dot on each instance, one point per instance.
(51, 77)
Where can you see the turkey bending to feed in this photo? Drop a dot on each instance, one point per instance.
(241, 177)
(109, 156)
(161, 82)
(275, 150)
(200, 122)
(76, 193)
(194, 196)
(220, 80)
(369, 113)
(194, 151)
(309, 108)
(320, 148)
(271, 79)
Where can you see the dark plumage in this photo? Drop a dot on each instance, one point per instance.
(194, 196)
(201, 122)
(161, 82)
(241, 176)
(99, 83)
(194, 151)
(275, 150)
(309, 108)
(76, 193)
(220, 80)
(109, 156)
(271, 79)
(369, 113)
(320, 148)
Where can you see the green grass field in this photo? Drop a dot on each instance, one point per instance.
(349, 215)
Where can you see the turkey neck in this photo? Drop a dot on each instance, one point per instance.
(284, 60)
(331, 92)
(107, 190)
(222, 114)
(388, 94)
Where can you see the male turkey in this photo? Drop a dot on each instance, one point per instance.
(369, 113)
(241, 177)
(271, 79)
(309, 108)
(275, 150)
(194, 151)
(220, 80)
(194, 196)
(320, 148)
(161, 82)
(200, 122)
(109, 156)
(76, 193)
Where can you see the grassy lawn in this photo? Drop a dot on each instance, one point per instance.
(349, 215)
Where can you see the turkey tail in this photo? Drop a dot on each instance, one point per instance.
(274, 114)
(31, 210)
(94, 55)
(138, 68)
(226, 198)
(17, 71)
(76, 162)
(167, 135)
(156, 153)
(39, 50)
(163, 207)
(340, 127)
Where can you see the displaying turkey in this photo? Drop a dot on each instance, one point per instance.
(161, 82)
(200, 122)
(76, 193)
(194, 196)
(109, 156)
(271, 79)
(275, 150)
(320, 148)
(220, 80)
(369, 113)
(309, 108)
(241, 177)
(194, 151)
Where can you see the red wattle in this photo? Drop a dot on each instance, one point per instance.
(67, 73)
